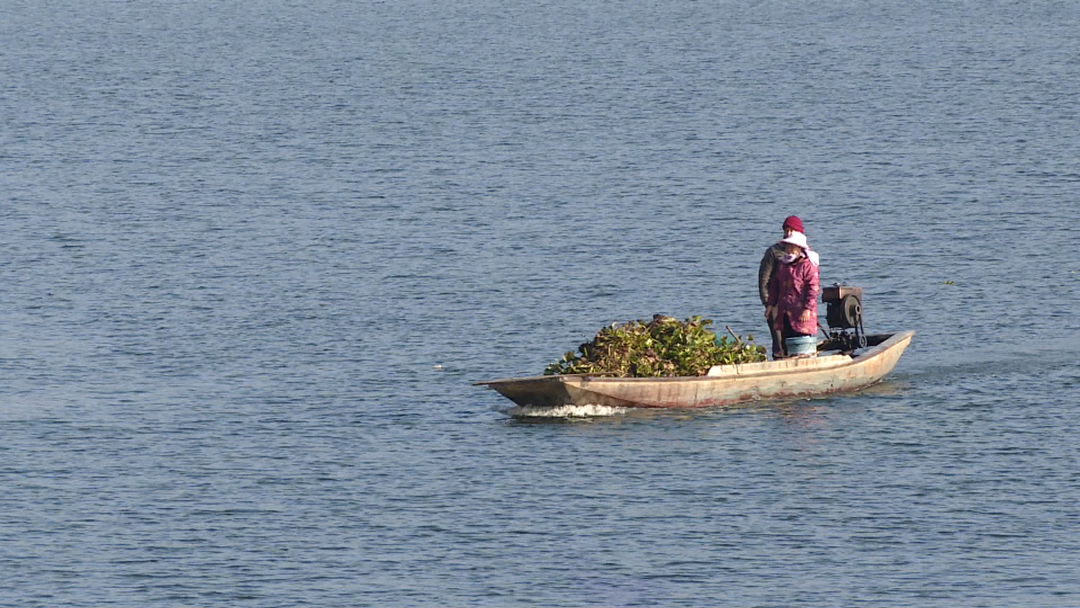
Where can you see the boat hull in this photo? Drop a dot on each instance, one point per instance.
(726, 385)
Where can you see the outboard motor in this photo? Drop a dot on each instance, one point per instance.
(844, 315)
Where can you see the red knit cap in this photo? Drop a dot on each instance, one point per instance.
(794, 223)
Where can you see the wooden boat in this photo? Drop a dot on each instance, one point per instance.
(829, 372)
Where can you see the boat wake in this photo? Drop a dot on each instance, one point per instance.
(565, 411)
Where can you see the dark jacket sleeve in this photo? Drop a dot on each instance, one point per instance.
(772, 292)
(765, 272)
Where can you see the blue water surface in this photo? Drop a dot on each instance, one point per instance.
(253, 256)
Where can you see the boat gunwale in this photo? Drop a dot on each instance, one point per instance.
(873, 352)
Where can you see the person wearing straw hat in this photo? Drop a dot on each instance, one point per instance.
(769, 262)
(793, 292)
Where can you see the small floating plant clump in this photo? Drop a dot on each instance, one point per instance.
(663, 346)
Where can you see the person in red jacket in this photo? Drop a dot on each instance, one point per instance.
(793, 290)
(772, 258)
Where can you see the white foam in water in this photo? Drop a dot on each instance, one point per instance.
(566, 411)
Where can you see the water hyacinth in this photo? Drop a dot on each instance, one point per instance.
(663, 346)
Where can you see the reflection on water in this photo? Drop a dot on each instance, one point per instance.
(781, 407)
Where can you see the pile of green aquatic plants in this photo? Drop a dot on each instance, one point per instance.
(663, 346)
